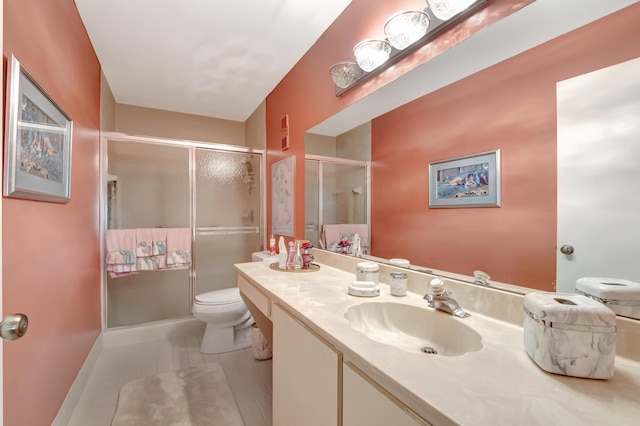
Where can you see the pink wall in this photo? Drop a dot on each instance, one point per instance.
(51, 263)
(510, 106)
(307, 92)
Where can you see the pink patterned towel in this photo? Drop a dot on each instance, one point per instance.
(333, 234)
(121, 252)
(159, 241)
(144, 242)
(178, 248)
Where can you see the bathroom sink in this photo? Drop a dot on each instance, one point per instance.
(414, 329)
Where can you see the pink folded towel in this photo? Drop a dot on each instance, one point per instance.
(144, 242)
(178, 248)
(362, 229)
(332, 234)
(159, 241)
(121, 252)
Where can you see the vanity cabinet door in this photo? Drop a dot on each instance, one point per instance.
(305, 374)
(364, 403)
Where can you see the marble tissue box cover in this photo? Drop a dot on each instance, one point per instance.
(620, 295)
(570, 334)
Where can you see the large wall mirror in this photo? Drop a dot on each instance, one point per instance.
(532, 107)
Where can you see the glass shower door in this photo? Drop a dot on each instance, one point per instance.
(228, 215)
(344, 193)
(312, 202)
(335, 193)
(148, 187)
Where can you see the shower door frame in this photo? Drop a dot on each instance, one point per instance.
(321, 159)
(105, 137)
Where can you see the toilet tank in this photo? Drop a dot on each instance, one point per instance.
(261, 256)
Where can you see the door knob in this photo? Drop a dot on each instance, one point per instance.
(566, 249)
(13, 326)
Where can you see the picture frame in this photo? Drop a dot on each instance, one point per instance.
(468, 181)
(37, 156)
(282, 188)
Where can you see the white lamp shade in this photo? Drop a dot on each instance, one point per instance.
(344, 74)
(370, 54)
(446, 9)
(406, 27)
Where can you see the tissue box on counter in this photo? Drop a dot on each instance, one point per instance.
(570, 334)
(621, 296)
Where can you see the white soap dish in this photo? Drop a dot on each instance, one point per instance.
(364, 289)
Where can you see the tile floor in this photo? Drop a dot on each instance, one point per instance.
(249, 379)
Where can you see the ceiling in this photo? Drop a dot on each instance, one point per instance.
(216, 58)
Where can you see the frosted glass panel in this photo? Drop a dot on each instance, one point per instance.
(148, 188)
(227, 189)
(312, 201)
(148, 296)
(215, 256)
(152, 186)
(228, 216)
(344, 194)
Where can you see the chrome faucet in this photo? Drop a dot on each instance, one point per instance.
(441, 300)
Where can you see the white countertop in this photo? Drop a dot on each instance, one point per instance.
(498, 385)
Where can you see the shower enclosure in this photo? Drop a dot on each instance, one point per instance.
(214, 190)
(336, 191)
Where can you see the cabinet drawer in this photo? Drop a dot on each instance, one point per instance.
(258, 298)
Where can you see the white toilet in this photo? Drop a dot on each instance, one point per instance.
(228, 321)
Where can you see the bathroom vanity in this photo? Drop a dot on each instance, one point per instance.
(337, 361)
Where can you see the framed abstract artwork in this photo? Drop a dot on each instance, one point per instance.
(37, 158)
(282, 173)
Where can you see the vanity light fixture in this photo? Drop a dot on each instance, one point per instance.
(345, 73)
(406, 27)
(405, 32)
(446, 9)
(370, 54)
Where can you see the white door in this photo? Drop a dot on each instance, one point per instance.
(1, 241)
(599, 175)
(9, 324)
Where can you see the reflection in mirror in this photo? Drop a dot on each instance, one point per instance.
(510, 106)
(337, 188)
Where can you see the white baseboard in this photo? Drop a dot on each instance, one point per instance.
(73, 396)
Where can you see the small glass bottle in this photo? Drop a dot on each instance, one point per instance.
(297, 259)
(272, 245)
(291, 254)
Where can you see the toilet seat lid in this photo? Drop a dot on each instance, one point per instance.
(219, 297)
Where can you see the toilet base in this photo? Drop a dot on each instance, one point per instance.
(217, 340)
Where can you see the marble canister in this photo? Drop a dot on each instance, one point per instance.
(570, 334)
(398, 283)
(367, 271)
(620, 295)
